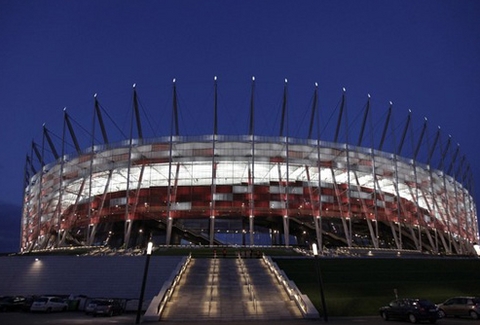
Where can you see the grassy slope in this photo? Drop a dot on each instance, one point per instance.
(360, 286)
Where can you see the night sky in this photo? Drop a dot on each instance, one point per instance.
(424, 56)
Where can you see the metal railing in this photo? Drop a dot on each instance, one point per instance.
(248, 283)
(158, 303)
(212, 283)
(306, 307)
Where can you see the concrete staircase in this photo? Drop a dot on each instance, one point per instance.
(229, 289)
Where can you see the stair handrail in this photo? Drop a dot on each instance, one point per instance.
(175, 281)
(303, 302)
(158, 303)
(212, 281)
(248, 282)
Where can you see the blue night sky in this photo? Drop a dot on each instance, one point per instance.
(424, 56)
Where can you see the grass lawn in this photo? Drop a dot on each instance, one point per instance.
(359, 286)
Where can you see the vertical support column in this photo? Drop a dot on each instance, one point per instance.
(457, 211)
(318, 231)
(173, 125)
(372, 233)
(251, 227)
(25, 215)
(212, 230)
(214, 167)
(73, 213)
(60, 191)
(318, 217)
(169, 230)
(38, 231)
(90, 199)
(286, 220)
(93, 232)
(434, 206)
(397, 193)
(418, 212)
(90, 181)
(432, 188)
(349, 181)
(394, 234)
(251, 198)
(468, 248)
(213, 191)
(283, 190)
(315, 214)
(127, 231)
(169, 197)
(92, 229)
(286, 230)
(430, 207)
(472, 210)
(251, 191)
(338, 195)
(346, 228)
(445, 201)
(102, 204)
(251, 175)
(128, 224)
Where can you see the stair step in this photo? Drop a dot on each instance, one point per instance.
(216, 289)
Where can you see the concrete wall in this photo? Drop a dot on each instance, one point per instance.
(93, 276)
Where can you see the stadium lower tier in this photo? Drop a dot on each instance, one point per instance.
(269, 219)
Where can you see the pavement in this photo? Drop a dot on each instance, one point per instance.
(79, 318)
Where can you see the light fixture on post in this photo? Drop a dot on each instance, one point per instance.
(320, 281)
(144, 282)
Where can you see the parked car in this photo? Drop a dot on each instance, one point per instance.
(91, 305)
(28, 303)
(413, 310)
(461, 306)
(104, 307)
(49, 304)
(12, 303)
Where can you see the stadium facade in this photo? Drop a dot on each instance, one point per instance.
(248, 189)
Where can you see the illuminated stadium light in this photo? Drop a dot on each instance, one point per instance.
(250, 189)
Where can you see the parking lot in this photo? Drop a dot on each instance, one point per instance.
(79, 318)
(60, 318)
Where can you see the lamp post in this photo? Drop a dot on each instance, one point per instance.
(320, 281)
(144, 282)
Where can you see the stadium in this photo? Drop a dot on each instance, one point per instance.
(251, 189)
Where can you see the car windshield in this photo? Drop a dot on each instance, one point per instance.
(95, 302)
(425, 303)
(103, 303)
(41, 300)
